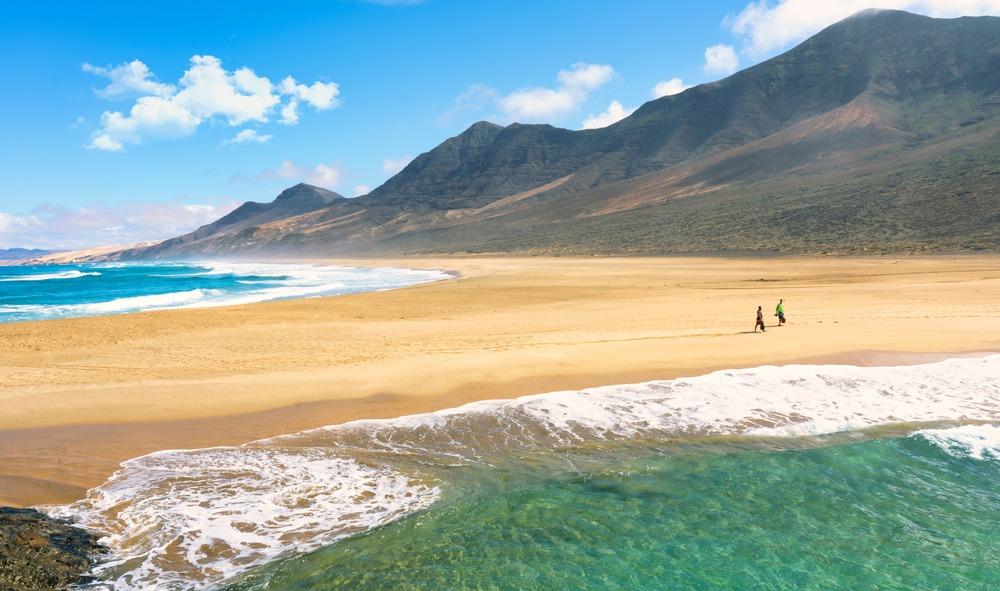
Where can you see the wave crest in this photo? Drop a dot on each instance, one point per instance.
(191, 519)
(980, 442)
(47, 276)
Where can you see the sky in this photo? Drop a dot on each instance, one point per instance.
(125, 122)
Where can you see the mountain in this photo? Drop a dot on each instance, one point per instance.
(19, 254)
(880, 133)
(239, 224)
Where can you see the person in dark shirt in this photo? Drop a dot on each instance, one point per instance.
(760, 320)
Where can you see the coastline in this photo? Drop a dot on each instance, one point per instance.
(85, 394)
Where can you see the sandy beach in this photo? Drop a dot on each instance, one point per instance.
(81, 395)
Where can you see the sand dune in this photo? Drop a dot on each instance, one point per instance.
(81, 395)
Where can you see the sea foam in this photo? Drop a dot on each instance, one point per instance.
(193, 519)
(122, 288)
(979, 442)
(187, 519)
(47, 276)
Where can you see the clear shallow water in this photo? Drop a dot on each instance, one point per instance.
(895, 513)
(716, 481)
(62, 291)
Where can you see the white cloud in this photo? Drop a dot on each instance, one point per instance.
(321, 96)
(130, 78)
(765, 26)
(10, 222)
(544, 104)
(721, 59)
(290, 112)
(327, 176)
(322, 175)
(394, 165)
(58, 227)
(668, 88)
(248, 136)
(613, 114)
(151, 116)
(474, 98)
(106, 143)
(205, 92)
(360, 190)
(585, 77)
(537, 104)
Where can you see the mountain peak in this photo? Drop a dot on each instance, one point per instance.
(479, 133)
(843, 134)
(483, 125)
(307, 191)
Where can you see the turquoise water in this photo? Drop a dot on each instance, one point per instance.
(889, 513)
(794, 477)
(60, 291)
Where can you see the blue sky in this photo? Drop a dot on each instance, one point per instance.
(130, 121)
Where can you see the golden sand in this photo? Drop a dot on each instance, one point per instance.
(81, 395)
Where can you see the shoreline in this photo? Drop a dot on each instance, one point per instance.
(301, 417)
(85, 394)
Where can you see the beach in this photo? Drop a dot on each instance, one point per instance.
(82, 395)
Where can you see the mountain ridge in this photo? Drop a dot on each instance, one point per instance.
(879, 86)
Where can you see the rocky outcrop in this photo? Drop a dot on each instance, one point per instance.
(38, 552)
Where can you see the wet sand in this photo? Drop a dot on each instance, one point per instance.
(81, 395)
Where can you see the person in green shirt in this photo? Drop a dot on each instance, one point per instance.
(780, 312)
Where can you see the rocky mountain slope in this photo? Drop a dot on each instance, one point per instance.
(880, 133)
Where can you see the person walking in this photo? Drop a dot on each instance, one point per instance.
(760, 320)
(780, 312)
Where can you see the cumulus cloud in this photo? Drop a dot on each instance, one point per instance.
(320, 96)
(360, 190)
(394, 165)
(327, 176)
(613, 114)
(290, 112)
(766, 26)
(248, 136)
(151, 116)
(205, 92)
(668, 88)
(721, 59)
(130, 78)
(546, 104)
(58, 227)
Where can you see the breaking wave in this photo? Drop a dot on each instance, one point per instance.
(980, 442)
(46, 276)
(193, 519)
(145, 286)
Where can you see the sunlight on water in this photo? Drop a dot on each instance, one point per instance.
(896, 513)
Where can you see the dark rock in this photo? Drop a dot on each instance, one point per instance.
(38, 552)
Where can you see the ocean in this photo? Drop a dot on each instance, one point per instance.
(793, 477)
(64, 291)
